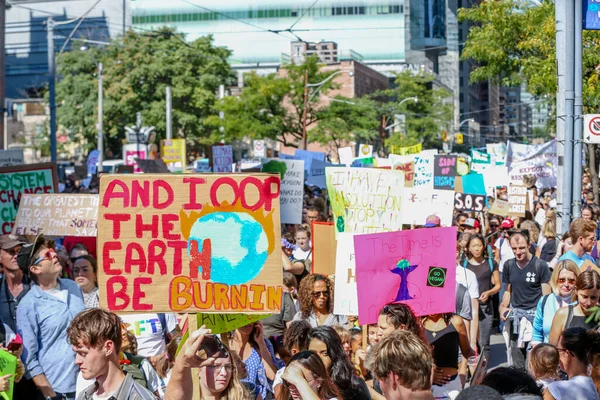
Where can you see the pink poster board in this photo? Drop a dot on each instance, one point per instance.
(416, 267)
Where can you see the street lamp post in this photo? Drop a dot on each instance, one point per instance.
(100, 121)
(307, 99)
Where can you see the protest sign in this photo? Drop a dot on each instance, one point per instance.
(537, 161)
(152, 166)
(222, 157)
(469, 202)
(292, 187)
(473, 184)
(323, 250)
(409, 172)
(444, 172)
(221, 323)
(124, 169)
(498, 151)
(345, 301)
(415, 267)
(517, 199)
(403, 151)
(365, 200)
(177, 243)
(174, 152)
(11, 157)
(57, 215)
(589, 266)
(18, 180)
(133, 151)
(346, 155)
(500, 207)
(316, 174)
(308, 157)
(419, 203)
(366, 162)
(424, 172)
(365, 151)
(8, 366)
(480, 160)
(494, 177)
(92, 162)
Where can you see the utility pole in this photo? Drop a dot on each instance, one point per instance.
(569, 111)
(3, 145)
(304, 138)
(559, 9)
(51, 86)
(578, 119)
(124, 17)
(169, 118)
(100, 121)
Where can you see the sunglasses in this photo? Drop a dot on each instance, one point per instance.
(316, 295)
(563, 280)
(14, 251)
(48, 255)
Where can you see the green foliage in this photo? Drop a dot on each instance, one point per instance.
(276, 167)
(424, 119)
(137, 70)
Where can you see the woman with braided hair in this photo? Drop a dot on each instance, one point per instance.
(316, 302)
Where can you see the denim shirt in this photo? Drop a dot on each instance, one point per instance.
(42, 321)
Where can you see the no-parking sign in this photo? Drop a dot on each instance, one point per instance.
(591, 128)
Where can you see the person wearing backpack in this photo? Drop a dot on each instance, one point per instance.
(527, 279)
(488, 277)
(562, 282)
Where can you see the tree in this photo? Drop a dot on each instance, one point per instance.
(137, 70)
(426, 118)
(272, 106)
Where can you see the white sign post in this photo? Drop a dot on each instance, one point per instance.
(591, 128)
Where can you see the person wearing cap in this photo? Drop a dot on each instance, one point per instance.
(460, 220)
(43, 318)
(471, 225)
(433, 221)
(502, 249)
(14, 285)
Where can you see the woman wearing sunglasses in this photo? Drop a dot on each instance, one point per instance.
(316, 302)
(562, 282)
(43, 317)
(305, 378)
(577, 348)
(587, 286)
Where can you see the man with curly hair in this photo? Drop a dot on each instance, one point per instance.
(316, 302)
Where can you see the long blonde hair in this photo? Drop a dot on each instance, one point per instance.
(549, 227)
(234, 390)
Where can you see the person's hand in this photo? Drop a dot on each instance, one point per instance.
(440, 378)
(360, 356)
(560, 247)
(154, 360)
(188, 356)
(293, 375)
(503, 312)
(5, 383)
(484, 297)
(20, 371)
(259, 333)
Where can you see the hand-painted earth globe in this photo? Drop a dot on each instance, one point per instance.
(239, 245)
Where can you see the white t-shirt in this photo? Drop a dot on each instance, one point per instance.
(300, 254)
(278, 381)
(576, 388)
(506, 252)
(468, 279)
(148, 332)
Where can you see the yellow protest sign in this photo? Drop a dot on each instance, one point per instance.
(403, 151)
(173, 151)
(221, 323)
(190, 243)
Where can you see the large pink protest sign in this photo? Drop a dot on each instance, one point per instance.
(416, 267)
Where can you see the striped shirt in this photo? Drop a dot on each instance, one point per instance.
(129, 390)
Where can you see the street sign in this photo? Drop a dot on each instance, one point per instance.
(591, 128)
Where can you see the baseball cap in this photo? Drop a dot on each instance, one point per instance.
(471, 222)
(27, 253)
(507, 224)
(432, 221)
(7, 242)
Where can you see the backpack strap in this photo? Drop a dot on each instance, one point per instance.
(569, 317)
(460, 295)
(163, 324)
(544, 300)
(490, 260)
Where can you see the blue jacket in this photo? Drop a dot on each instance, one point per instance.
(542, 322)
(42, 321)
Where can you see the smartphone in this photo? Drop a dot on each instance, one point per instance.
(212, 345)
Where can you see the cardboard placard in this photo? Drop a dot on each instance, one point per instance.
(346, 155)
(57, 215)
(409, 172)
(324, 245)
(124, 169)
(444, 172)
(222, 157)
(517, 200)
(403, 151)
(473, 184)
(152, 166)
(365, 200)
(500, 207)
(415, 267)
(11, 157)
(185, 243)
(292, 187)
(424, 171)
(8, 365)
(419, 203)
(309, 157)
(589, 266)
(18, 180)
(345, 301)
(469, 202)
(221, 323)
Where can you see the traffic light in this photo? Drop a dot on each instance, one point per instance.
(444, 136)
(459, 138)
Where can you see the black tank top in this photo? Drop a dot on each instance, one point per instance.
(576, 321)
(445, 346)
